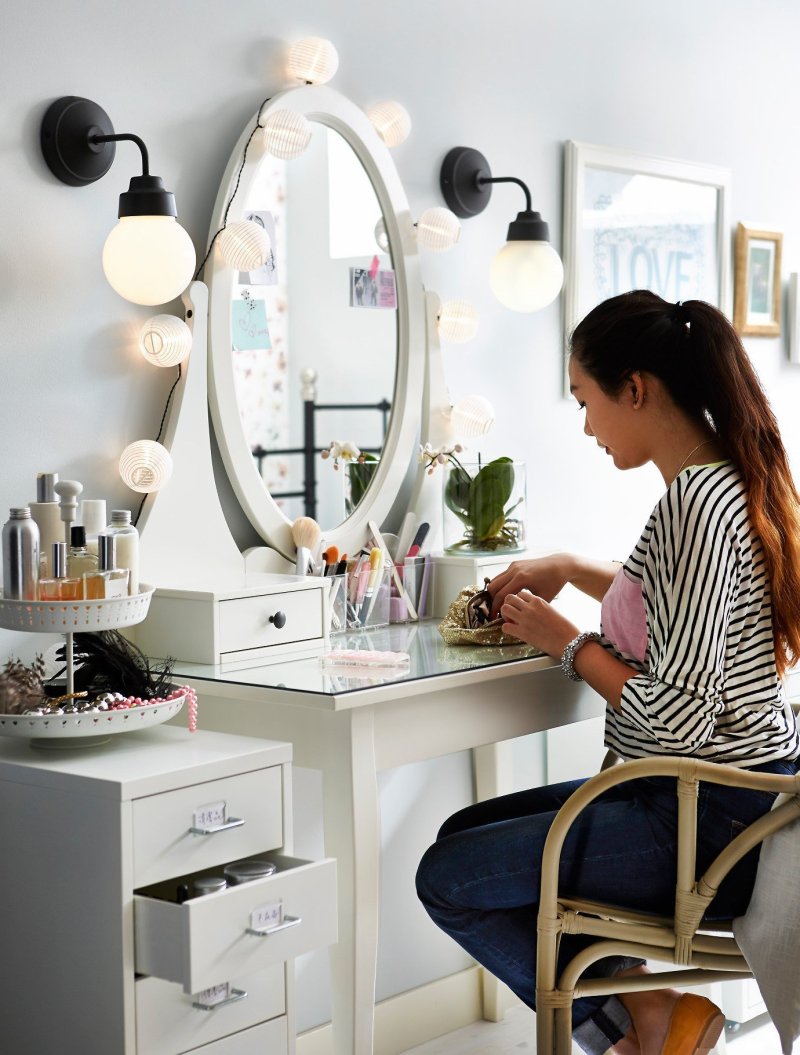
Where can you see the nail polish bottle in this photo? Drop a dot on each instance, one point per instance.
(108, 580)
(60, 586)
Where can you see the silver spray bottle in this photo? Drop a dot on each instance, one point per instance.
(20, 556)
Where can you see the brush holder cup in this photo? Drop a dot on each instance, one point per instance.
(484, 507)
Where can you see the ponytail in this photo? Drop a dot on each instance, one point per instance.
(698, 356)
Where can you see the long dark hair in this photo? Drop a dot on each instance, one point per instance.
(697, 355)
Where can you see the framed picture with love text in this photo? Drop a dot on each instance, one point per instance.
(639, 221)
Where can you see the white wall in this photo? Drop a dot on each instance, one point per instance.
(715, 82)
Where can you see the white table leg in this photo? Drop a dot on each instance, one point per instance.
(494, 775)
(352, 836)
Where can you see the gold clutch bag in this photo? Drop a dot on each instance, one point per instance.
(468, 620)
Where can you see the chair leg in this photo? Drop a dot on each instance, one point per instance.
(563, 1018)
(545, 1028)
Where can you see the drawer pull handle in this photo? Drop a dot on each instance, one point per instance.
(232, 822)
(278, 620)
(288, 921)
(236, 995)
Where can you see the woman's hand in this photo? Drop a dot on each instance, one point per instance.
(533, 620)
(544, 576)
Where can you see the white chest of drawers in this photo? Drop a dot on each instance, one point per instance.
(98, 957)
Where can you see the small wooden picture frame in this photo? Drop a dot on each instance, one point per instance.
(757, 274)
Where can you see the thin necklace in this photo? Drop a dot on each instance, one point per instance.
(691, 452)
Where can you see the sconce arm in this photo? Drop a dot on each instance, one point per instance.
(129, 137)
(508, 179)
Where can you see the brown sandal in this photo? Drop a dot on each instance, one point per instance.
(694, 1026)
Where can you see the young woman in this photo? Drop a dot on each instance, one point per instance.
(697, 628)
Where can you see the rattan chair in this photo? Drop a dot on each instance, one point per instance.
(703, 953)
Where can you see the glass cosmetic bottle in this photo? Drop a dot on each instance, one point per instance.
(60, 586)
(79, 560)
(127, 537)
(108, 580)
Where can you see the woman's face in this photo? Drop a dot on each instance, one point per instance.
(611, 420)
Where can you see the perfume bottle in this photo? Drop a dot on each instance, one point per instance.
(127, 537)
(79, 559)
(60, 586)
(108, 580)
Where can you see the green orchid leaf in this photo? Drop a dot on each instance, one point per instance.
(490, 491)
(457, 491)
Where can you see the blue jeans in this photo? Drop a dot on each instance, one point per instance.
(480, 880)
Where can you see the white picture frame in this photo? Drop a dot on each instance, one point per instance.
(640, 221)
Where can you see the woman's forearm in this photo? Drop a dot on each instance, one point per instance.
(592, 577)
(603, 672)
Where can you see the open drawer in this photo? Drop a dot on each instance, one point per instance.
(237, 931)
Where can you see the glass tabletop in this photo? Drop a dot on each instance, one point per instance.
(429, 657)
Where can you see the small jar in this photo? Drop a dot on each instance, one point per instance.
(208, 885)
(246, 871)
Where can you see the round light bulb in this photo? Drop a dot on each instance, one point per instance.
(526, 276)
(472, 416)
(245, 245)
(382, 235)
(286, 134)
(391, 121)
(458, 321)
(438, 229)
(145, 466)
(149, 259)
(313, 60)
(165, 340)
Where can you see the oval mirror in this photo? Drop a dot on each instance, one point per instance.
(324, 343)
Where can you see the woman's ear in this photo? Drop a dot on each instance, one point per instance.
(636, 390)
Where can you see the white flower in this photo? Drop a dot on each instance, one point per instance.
(341, 450)
(433, 456)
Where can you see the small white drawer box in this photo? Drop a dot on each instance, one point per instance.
(196, 827)
(209, 940)
(264, 616)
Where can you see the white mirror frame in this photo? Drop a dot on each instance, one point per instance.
(326, 107)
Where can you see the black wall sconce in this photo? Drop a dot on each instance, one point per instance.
(148, 258)
(526, 273)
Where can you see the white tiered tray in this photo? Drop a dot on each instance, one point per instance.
(65, 617)
(52, 730)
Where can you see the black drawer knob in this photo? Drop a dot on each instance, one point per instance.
(279, 619)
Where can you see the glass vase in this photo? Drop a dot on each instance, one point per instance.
(484, 507)
(357, 478)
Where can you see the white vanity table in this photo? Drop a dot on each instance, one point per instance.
(351, 728)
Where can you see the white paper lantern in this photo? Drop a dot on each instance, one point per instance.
(526, 276)
(382, 235)
(392, 122)
(472, 416)
(145, 466)
(165, 340)
(458, 321)
(286, 134)
(149, 259)
(313, 60)
(438, 229)
(244, 245)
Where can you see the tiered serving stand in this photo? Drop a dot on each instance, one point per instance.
(68, 618)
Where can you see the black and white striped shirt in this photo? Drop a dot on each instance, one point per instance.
(708, 685)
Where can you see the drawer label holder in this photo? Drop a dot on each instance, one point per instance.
(217, 996)
(213, 818)
(269, 919)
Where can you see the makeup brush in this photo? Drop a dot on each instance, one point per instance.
(306, 533)
(330, 558)
(375, 568)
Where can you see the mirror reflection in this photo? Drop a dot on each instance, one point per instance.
(314, 332)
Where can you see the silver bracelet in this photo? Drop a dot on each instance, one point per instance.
(569, 653)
